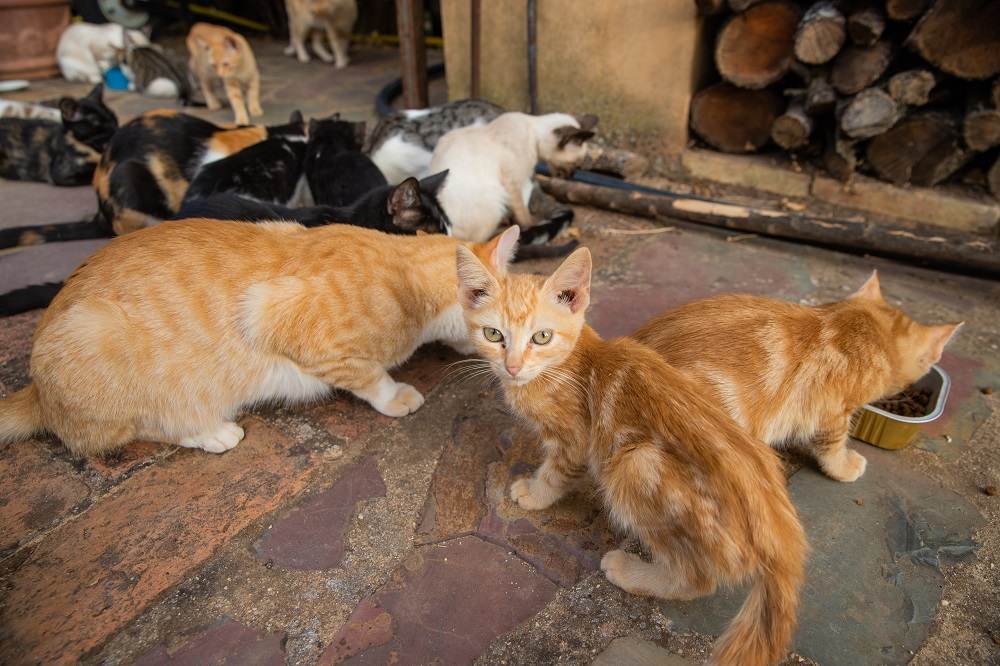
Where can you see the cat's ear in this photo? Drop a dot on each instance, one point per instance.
(230, 44)
(475, 283)
(404, 205)
(568, 134)
(937, 337)
(296, 118)
(431, 184)
(570, 284)
(97, 93)
(587, 122)
(501, 250)
(871, 290)
(69, 108)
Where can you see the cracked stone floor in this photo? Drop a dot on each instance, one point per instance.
(333, 534)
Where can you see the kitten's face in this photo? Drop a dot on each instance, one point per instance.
(918, 347)
(224, 56)
(523, 325)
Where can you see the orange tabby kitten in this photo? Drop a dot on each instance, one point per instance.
(218, 53)
(792, 373)
(707, 500)
(167, 333)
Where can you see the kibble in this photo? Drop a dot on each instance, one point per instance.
(908, 402)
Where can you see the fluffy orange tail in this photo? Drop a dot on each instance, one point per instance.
(760, 633)
(20, 415)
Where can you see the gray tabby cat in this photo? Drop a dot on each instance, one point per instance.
(403, 142)
(154, 74)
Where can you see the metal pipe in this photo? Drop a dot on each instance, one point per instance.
(475, 23)
(533, 55)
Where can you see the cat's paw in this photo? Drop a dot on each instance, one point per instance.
(405, 401)
(213, 104)
(256, 111)
(289, 50)
(326, 57)
(303, 58)
(522, 492)
(615, 565)
(847, 467)
(219, 440)
(342, 63)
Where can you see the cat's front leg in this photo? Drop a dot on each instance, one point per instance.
(211, 101)
(369, 381)
(319, 48)
(553, 479)
(253, 95)
(515, 201)
(340, 45)
(835, 459)
(235, 94)
(215, 440)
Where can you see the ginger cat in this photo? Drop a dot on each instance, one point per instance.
(168, 333)
(333, 18)
(218, 53)
(789, 373)
(707, 500)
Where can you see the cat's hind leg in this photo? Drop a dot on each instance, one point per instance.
(835, 459)
(340, 43)
(661, 578)
(318, 47)
(215, 440)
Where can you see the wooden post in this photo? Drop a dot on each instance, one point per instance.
(413, 54)
(476, 11)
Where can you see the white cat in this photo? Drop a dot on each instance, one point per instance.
(13, 109)
(87, 50)
(491, 167)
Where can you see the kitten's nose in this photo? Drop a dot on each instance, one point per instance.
(512, 370)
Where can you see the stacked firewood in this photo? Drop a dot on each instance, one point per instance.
(905, 89)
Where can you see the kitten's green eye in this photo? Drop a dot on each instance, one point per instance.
(542, 337)
(492, 334)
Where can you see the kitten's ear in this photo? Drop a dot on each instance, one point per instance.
(404, 205)
(870, 290)
(475, 283)
(570, 284)
(296, 117)
(501, 250)
(97, 93)
(939, 336)
(431, 184)
(69, 108)
(231, 44)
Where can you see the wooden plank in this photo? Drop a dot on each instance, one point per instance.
(412, 52)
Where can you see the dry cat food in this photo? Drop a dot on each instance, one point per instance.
(908, 402)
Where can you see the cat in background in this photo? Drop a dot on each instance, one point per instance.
(793, 374)
(492, 167)
(10, 108)
(332, 18)
(87, 50)
(219, 54)
(706, 499)
(152, 73)
(402, 144)
(180, 327)
(62, 153)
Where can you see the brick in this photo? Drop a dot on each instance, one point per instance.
(227, 643)
(92, 576)
(311, 535)
(444, 605)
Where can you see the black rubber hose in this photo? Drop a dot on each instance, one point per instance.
(393, 89)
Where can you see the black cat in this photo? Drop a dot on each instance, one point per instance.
(63, 153)
(267, 171)
(339, 174)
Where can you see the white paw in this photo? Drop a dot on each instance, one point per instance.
(341, 64)
(303, 58)
(405, 400)
(326, 57)
(614, 564)
(289, 50)
(847, 468)
(220, 440)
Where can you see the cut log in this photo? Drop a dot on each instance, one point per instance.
(791, 129)
(820, 96)
(754, 49)
(840, 156)
(869, 113)
(820, 34)
(981, 129)
(623, 163)
(905, 10)
(858, 67)
(912, 87)
(961, 37)
(922, 149)
(709, 7)
(921, 242)
(993, 178)
(865, 26)
(734, 120)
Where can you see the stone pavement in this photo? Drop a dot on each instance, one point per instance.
(334, 534)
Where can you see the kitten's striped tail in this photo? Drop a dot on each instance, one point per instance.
(20, 415)
(760, 633)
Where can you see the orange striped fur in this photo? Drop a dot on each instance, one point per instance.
(790, 373)
(168, 333)
(706, 499)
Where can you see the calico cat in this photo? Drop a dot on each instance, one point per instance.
(337, 171)
(793, 374)
(64, 153)
(705, 499)
(179, 327)
(271, 171)
(154, 74)
(492, 167)
(403, 143)
(219, 54)
(87, 50)
(145, 172)
(332, 18)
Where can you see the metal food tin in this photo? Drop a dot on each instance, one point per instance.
(892, 431)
